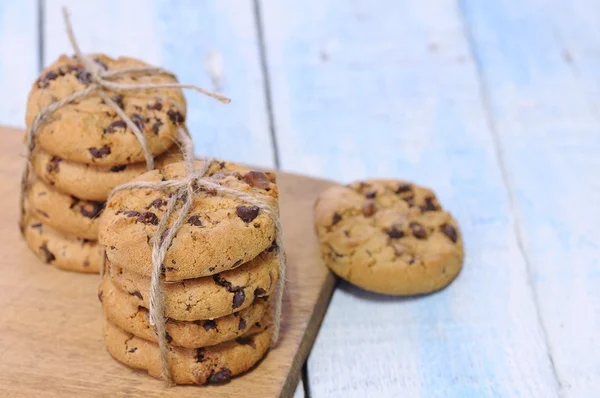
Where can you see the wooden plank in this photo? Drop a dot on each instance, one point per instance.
(212, 44)
(389, 88)
(18, 58)
(56, 350)
(539, 63)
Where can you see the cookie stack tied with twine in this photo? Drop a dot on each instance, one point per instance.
(93, 123)
(193, 252)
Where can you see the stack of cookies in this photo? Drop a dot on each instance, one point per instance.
(83, 149)
(219, 272)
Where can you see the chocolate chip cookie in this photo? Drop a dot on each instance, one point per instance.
(89, 130)
(207, 297)
(214, 364)
(219, 233)
(124, 311)
(67, 214)
(63, 252)
(91, 182)
(389, 237)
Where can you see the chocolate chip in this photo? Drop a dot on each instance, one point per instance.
(45, 82)
(404, 188)
(273, 247)
(256, 179)
(157, 106)
(369, 208)
(168, 337)
(137, 294)
(418, 230)
(245, 341)
(47, 253)
(200, 355)
(195, 220)
(148, 217)
(131, 213)
(210, 324)
(220, 377)
(259, 291)
(175, 116)
(132, 349)
(36, 226)
(84, 76)
(238, 298)
(410, 200)
(99, 152)
(138, 121)
(430, 205)
(156, 126)
(53, 164)
(94, 211)
(242, 324)
(394, 232)
(116, 169)
(336, 218)
(224, 282)
(371, 194)
(450, 232)
(157, 203)
(247, 213)
(86, 263)
(118, 100)
(102, 64)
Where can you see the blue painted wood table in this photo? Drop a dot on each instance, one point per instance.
(494, 104)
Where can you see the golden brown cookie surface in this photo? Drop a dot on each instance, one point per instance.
(388, 236)
(124, 311)
(89, 130)
(67, 214)
(207, 297)
(219, 233)
(214, 364)
(67, 253)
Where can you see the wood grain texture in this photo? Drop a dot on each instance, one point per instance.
(18, 58)
(50, 320)
(539, 63)
(389, 88)
(208, 43)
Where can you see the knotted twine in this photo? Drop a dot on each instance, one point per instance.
(100, 82)
(185, 188)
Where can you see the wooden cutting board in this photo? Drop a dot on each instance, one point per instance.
(50, 320)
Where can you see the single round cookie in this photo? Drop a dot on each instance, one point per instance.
(388, 237)
(207, 297)
(123, 310)
(219, 233)
(52, 247)
(214, 364)
(89, 130)
(67, 214)
(91, 182)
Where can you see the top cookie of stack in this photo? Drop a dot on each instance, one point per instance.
(83, 149)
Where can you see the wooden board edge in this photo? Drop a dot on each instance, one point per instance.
(310, 335)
